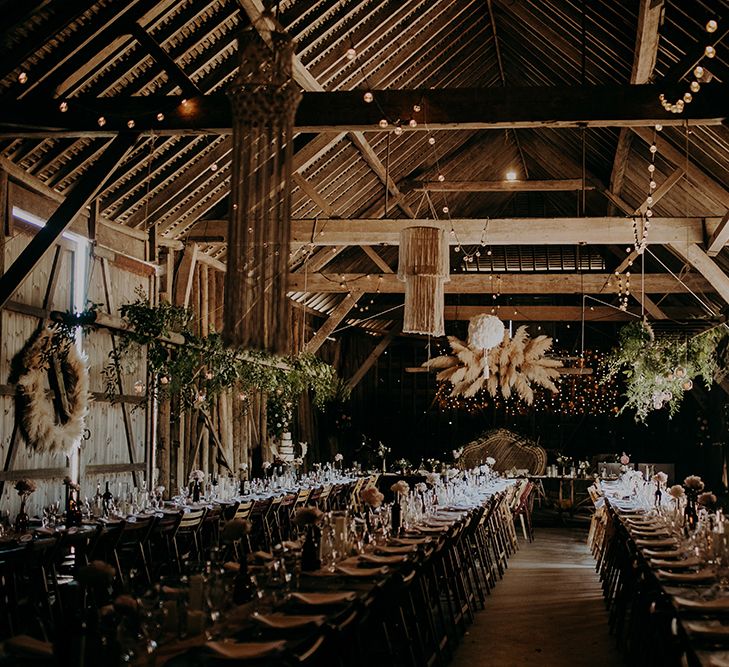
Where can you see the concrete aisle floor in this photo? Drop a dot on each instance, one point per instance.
(548, 610)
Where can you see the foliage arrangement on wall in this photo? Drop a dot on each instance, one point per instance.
(198, 368)
(659, 370)
(578, 394)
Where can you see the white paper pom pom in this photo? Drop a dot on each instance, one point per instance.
(485, 331)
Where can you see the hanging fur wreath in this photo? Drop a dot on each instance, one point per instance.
(42, 429)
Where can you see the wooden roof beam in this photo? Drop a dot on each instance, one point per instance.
(700, 178)
(556, 185)
(502, 231)
(504, 283)
(544, 313)
(707, 267)
(373, 356)
(344, 111)
(335, 317)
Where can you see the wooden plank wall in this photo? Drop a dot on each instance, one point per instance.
(105, 455)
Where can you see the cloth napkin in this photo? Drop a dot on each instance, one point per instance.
(664, 553)
(28, 646)
(701, 575)
(244, 650)
(288, 621)
(405, 549)
(686, 563)
(717, 604)
(317, 599)
(659, 542)
(362, 572)
(713, 628)
(383, 560)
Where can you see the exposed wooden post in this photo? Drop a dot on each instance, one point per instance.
(185, 276)
(111, 307)
(336, 316)
(83, 192)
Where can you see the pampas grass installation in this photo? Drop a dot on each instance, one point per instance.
(514, 365)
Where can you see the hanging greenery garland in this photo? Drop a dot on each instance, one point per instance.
(658, 371)
(53, 350)
(202, 367)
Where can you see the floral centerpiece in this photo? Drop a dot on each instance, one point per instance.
(693, 485)
(24, 487)
(660, 479)
(707, 500)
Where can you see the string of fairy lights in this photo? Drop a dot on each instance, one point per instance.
(579, 394)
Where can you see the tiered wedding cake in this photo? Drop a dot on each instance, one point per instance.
(286, 448)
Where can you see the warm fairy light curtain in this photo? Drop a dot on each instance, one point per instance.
(424, 266)
(264, 98)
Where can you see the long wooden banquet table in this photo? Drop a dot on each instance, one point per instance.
(667, 605)
(404, 599)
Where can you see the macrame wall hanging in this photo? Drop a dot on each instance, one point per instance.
(424, 266)
(264, 98)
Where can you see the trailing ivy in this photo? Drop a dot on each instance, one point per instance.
(202, 367)
(658, 371)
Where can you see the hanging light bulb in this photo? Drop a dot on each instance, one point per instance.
(22, 77)
(413, 122)
(383, 123)
(698, 71)
(101, 121)
(398, 130)
(709, 51)
(368, 97)
(711, 25)
(688, 98)
(130, 124)
(351, 53)
(431, 141)
(441, 178)
(445, 209)
(695, 86)
(160, 116)
(63, 106)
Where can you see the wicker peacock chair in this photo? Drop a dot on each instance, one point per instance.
(509, 449)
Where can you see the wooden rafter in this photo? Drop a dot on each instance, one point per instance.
(707, 267)
(502, 231)
(592, 313)
(504, 283)
(376, 258)
(696, 174)
(335, 317)
(343, 111)
(372, 357)
(550, 185)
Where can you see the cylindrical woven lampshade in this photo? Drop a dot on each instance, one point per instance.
(424, 266)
